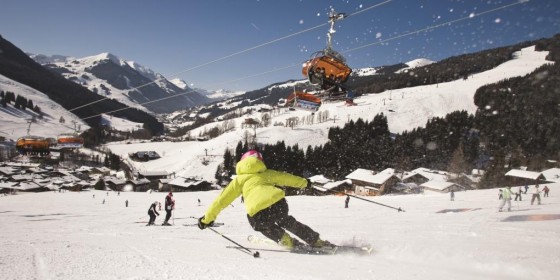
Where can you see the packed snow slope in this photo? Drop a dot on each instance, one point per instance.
(405, 109)
(74, 235)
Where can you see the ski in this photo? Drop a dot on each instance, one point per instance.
(213, 225)
(306, 249)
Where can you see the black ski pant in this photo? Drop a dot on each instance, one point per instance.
(518, 195)
(274, 220)
(167, 215)
(152, 217)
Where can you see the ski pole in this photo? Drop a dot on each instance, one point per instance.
(354, 196)
(256, 254)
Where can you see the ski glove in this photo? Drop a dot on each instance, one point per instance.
(202, 225)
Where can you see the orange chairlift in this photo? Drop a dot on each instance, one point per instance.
(70, 140)
(32, 145)
(327, 70)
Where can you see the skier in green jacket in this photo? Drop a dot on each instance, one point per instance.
(265, 203)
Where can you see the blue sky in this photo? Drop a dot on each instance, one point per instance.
(246, 45)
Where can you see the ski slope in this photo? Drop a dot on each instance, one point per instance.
(76, 236)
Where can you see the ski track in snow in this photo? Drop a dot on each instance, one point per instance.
(72, 236)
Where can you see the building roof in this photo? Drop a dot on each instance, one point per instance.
(184, 182)
(8, 170)
(552, 174)
(26, 186)
(432, 174)
(153, 173)
(437, 185)
(369, 177)
(114, 181)
(333, 185)
(524, 174)
(319, 179)
(142, 181)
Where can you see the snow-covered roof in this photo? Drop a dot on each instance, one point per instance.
(140, 181)
(333, 185)
(525, 174)
(25, 186)
(153, 173)
(432, 174)
(437, 185)
(7, 170)
(24, 177)
(552, 174)
(369, 177)
(321, 179)
(184, 182)
(84, 169)
(6, 185)
(114, 181)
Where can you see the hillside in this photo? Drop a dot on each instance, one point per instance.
(405, 109)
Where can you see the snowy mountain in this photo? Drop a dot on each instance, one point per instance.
(125, 81)
(397, 68)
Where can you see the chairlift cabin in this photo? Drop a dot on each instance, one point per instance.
(69, 141)
(305, 101)
(32, 145)
(328, 71)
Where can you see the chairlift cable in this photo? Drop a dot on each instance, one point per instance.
(234, 54)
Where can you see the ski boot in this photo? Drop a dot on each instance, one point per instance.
(322, 244)
(289, 242)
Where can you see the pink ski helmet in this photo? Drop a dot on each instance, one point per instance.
(252, 153)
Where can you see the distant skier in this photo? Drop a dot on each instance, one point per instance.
(346, 201)
(265, 203)
(152, 212)
(126, 203)
(500, 194)
(518, 194)
(526, 188)
(506, 199)
(536, 195)
(546, 190)
(103, 201)
(452, 195)
(169, 206)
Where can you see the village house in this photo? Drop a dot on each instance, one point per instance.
(367, 182)
(182, 184)
(517, 177)
(114, 183)
(153, 175)
(441, 186)
(140, 185)
(552, 175)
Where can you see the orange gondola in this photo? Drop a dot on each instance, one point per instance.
(305, 101)
(32, 145)
(326, 70)
(69, 141)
